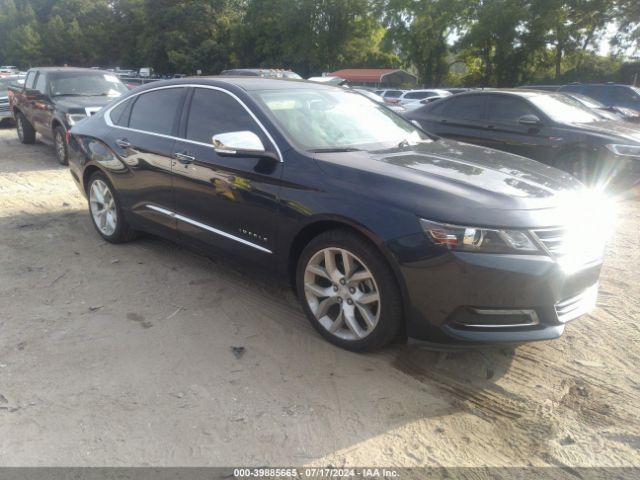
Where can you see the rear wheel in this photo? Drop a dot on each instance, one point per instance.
(106, 212)
(26, 132)
(60, 142)
(348, 291)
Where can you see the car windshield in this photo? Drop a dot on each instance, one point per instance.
(564, 109)
(586, 101)
(336, 119)
(87, 85)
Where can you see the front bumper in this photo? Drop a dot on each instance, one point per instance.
(5, 110)
(470, 297)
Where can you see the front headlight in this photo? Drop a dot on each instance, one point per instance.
(624, 150)
(477, 239)
(74, 118)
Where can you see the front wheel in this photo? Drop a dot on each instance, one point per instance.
(106, 213)
(60, 142)
(348, 291)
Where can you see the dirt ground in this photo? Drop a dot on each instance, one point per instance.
(121, 355)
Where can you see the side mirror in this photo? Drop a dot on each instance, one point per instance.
(240, 144)
(531, 120)
(32, 94)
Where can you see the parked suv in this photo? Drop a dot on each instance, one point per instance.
(384, 230)
(54, 99)
(549, 127)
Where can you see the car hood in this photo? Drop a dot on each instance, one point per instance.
(483, 168)
(71, 104)
(613, 128)
(472, 184)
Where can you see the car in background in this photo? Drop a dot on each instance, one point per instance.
(53, 99)
(5, 92)
(390, 95)
(454, 91)
(609, 94)
(415, 105)
(545, 126)
(544, 88)
(611, 113)
(378, 99)
(413, 96)
(261, 72)
(385, 231)
(7, 70)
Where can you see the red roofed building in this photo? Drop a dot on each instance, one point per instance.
(376, 77)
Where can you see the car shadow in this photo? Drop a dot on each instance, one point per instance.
(345, 397)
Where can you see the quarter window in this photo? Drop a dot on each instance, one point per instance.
(508, 110)
(120, 114)
(214, 112)
(157, 111)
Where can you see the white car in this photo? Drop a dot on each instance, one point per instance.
(409, 107)
(390, 95)
(416, 95)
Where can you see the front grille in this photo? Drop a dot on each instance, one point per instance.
(4, 105)
(573, 307)
(553, 239)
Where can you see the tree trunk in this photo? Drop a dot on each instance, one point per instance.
(558, 60)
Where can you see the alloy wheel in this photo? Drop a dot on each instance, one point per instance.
(60, 147)
(342, 293)
(103, 207)
(20, 128)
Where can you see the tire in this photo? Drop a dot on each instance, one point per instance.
(112, 225)
(26, 132)
(60, 143)
(339, 310)
(576, 163)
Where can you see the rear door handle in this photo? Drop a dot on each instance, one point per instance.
(123, 143)
(185, 159)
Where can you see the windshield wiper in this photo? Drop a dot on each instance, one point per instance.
(335, 150)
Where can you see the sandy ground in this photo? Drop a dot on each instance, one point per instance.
(121, 355)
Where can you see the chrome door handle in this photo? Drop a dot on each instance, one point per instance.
(185, 159)
(123, 143)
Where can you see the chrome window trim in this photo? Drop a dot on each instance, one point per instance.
(107, 116)
(204, 226)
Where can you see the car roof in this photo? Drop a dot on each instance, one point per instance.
(70, 69)
(243, 82)
(517, 92)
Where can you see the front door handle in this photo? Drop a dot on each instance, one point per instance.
(185, 159)
(123, 143)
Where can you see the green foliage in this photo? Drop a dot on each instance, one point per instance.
(444, 42)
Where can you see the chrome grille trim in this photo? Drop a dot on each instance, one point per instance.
(573, 307)
(551, 239)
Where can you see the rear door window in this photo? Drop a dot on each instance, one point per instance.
(505, 109)
(469, 107)
(213, 112)
(157, 111)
